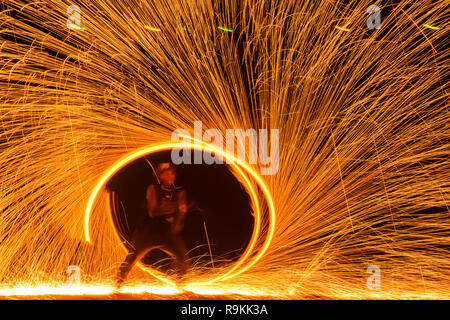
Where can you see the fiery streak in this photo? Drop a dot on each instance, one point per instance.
(151, 28)
(74, 26)
(431, 27)
(225, 29)
(342, 28)
(364, 137)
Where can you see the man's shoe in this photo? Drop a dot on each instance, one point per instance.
(119, 283)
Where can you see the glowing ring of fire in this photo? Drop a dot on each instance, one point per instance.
(196, 146)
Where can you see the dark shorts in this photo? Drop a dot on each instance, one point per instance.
(155, 225)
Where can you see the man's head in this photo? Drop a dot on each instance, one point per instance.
(166, 173)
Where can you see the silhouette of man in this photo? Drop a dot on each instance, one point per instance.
(166, 209)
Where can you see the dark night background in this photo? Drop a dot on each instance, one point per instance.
(224, 203)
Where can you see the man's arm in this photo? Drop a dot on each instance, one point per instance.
(151, 199)
(182, 209)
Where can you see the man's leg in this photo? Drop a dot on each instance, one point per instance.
(176, 247)
(141, 243)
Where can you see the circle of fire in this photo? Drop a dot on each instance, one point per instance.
(238, 164)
